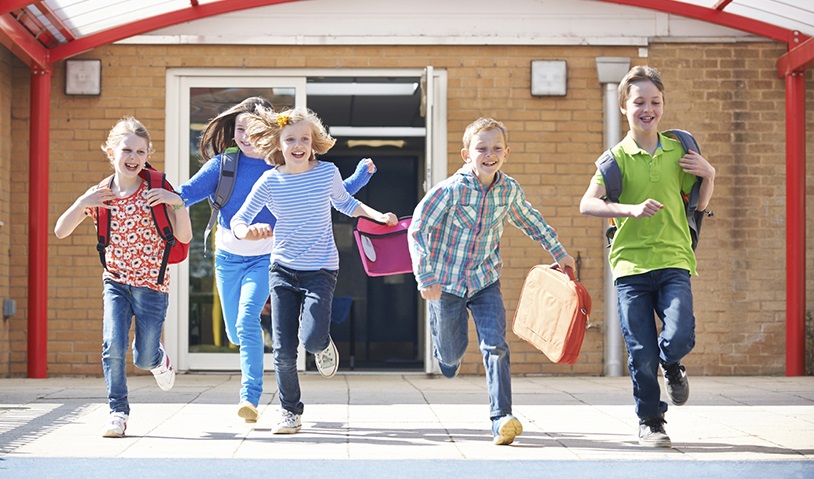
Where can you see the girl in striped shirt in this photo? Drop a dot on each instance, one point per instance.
(299, 192)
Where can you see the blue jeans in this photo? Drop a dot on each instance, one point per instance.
(293, 294)
(666, 292)
(449, 322)
(121, 303)
(243, 288)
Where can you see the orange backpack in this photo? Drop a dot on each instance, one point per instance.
(553, 313)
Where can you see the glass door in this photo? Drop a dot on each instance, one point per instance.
(202, 342)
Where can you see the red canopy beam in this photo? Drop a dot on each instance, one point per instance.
(799, 58)
(710, 15)
(721, 5)
(13, 5)
(20, 42)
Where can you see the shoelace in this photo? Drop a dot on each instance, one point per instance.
(324, 359)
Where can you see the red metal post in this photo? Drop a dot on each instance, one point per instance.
(38, 233)
(795, 223)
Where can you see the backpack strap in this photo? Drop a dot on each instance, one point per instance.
(103, 225)
(612, 176)
(694, 217)
(226, 183)
(158, 179)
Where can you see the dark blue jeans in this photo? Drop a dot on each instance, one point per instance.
(666, 292)
(295, 294)
(449, 320)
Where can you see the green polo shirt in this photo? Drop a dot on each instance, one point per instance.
(663, 240)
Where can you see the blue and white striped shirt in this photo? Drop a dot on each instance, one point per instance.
(455, 233)
(303, 235)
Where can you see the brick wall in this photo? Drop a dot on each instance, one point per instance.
(726, 95)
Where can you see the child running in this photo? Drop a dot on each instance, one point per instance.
(241, 267)
(651, 254)
(133, 261)
(299, 192)
(454, 242)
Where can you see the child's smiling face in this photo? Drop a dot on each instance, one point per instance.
(486, 154)
(242, 141)
(295, 145)
(129, 156)
(643, 107)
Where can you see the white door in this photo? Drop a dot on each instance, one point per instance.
(193, 331)
(434, 83)
(195, 317)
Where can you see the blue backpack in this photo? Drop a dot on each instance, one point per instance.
(612, 176)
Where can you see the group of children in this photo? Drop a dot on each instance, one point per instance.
(275, 238)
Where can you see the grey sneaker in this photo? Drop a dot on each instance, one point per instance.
(247, 411)
(327, 360)
(675, 383)
(652, 434)
(289, 423)
(116, 425)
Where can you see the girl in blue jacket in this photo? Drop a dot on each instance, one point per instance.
(242, 267)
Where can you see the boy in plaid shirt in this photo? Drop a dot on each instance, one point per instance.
(455, 246)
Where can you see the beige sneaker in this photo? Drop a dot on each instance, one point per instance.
(247, 411)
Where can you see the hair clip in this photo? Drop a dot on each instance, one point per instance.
(283, 120)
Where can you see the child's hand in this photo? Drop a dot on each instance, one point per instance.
(371, 167)
(156, 196)
(96, 196)
(646, 209)
(695, 164)
(433, 293)
(389, 219)
(568, 260)
(259, 231)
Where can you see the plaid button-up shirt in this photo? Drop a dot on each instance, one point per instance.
(455, 233)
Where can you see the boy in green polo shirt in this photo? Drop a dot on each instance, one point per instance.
(651, 254)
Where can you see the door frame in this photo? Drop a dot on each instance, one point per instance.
(178, 83)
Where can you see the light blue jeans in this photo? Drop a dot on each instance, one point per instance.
(295, 294)
(243, 286)
(449, 325)
(121, 303)
(666, 292)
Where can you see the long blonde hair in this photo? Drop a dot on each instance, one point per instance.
(265, 126)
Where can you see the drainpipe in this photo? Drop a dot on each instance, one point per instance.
(610, 71)
(38, 231)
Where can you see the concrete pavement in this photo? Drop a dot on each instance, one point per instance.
(396, 425)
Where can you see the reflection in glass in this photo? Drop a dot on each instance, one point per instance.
(206, 330)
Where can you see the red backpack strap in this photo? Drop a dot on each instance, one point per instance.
(103, 224)
(157, 179)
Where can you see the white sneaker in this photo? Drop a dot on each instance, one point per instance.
(116, 425)
(247, 411)
(327, 360)
(289, 423)
(164, 373)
